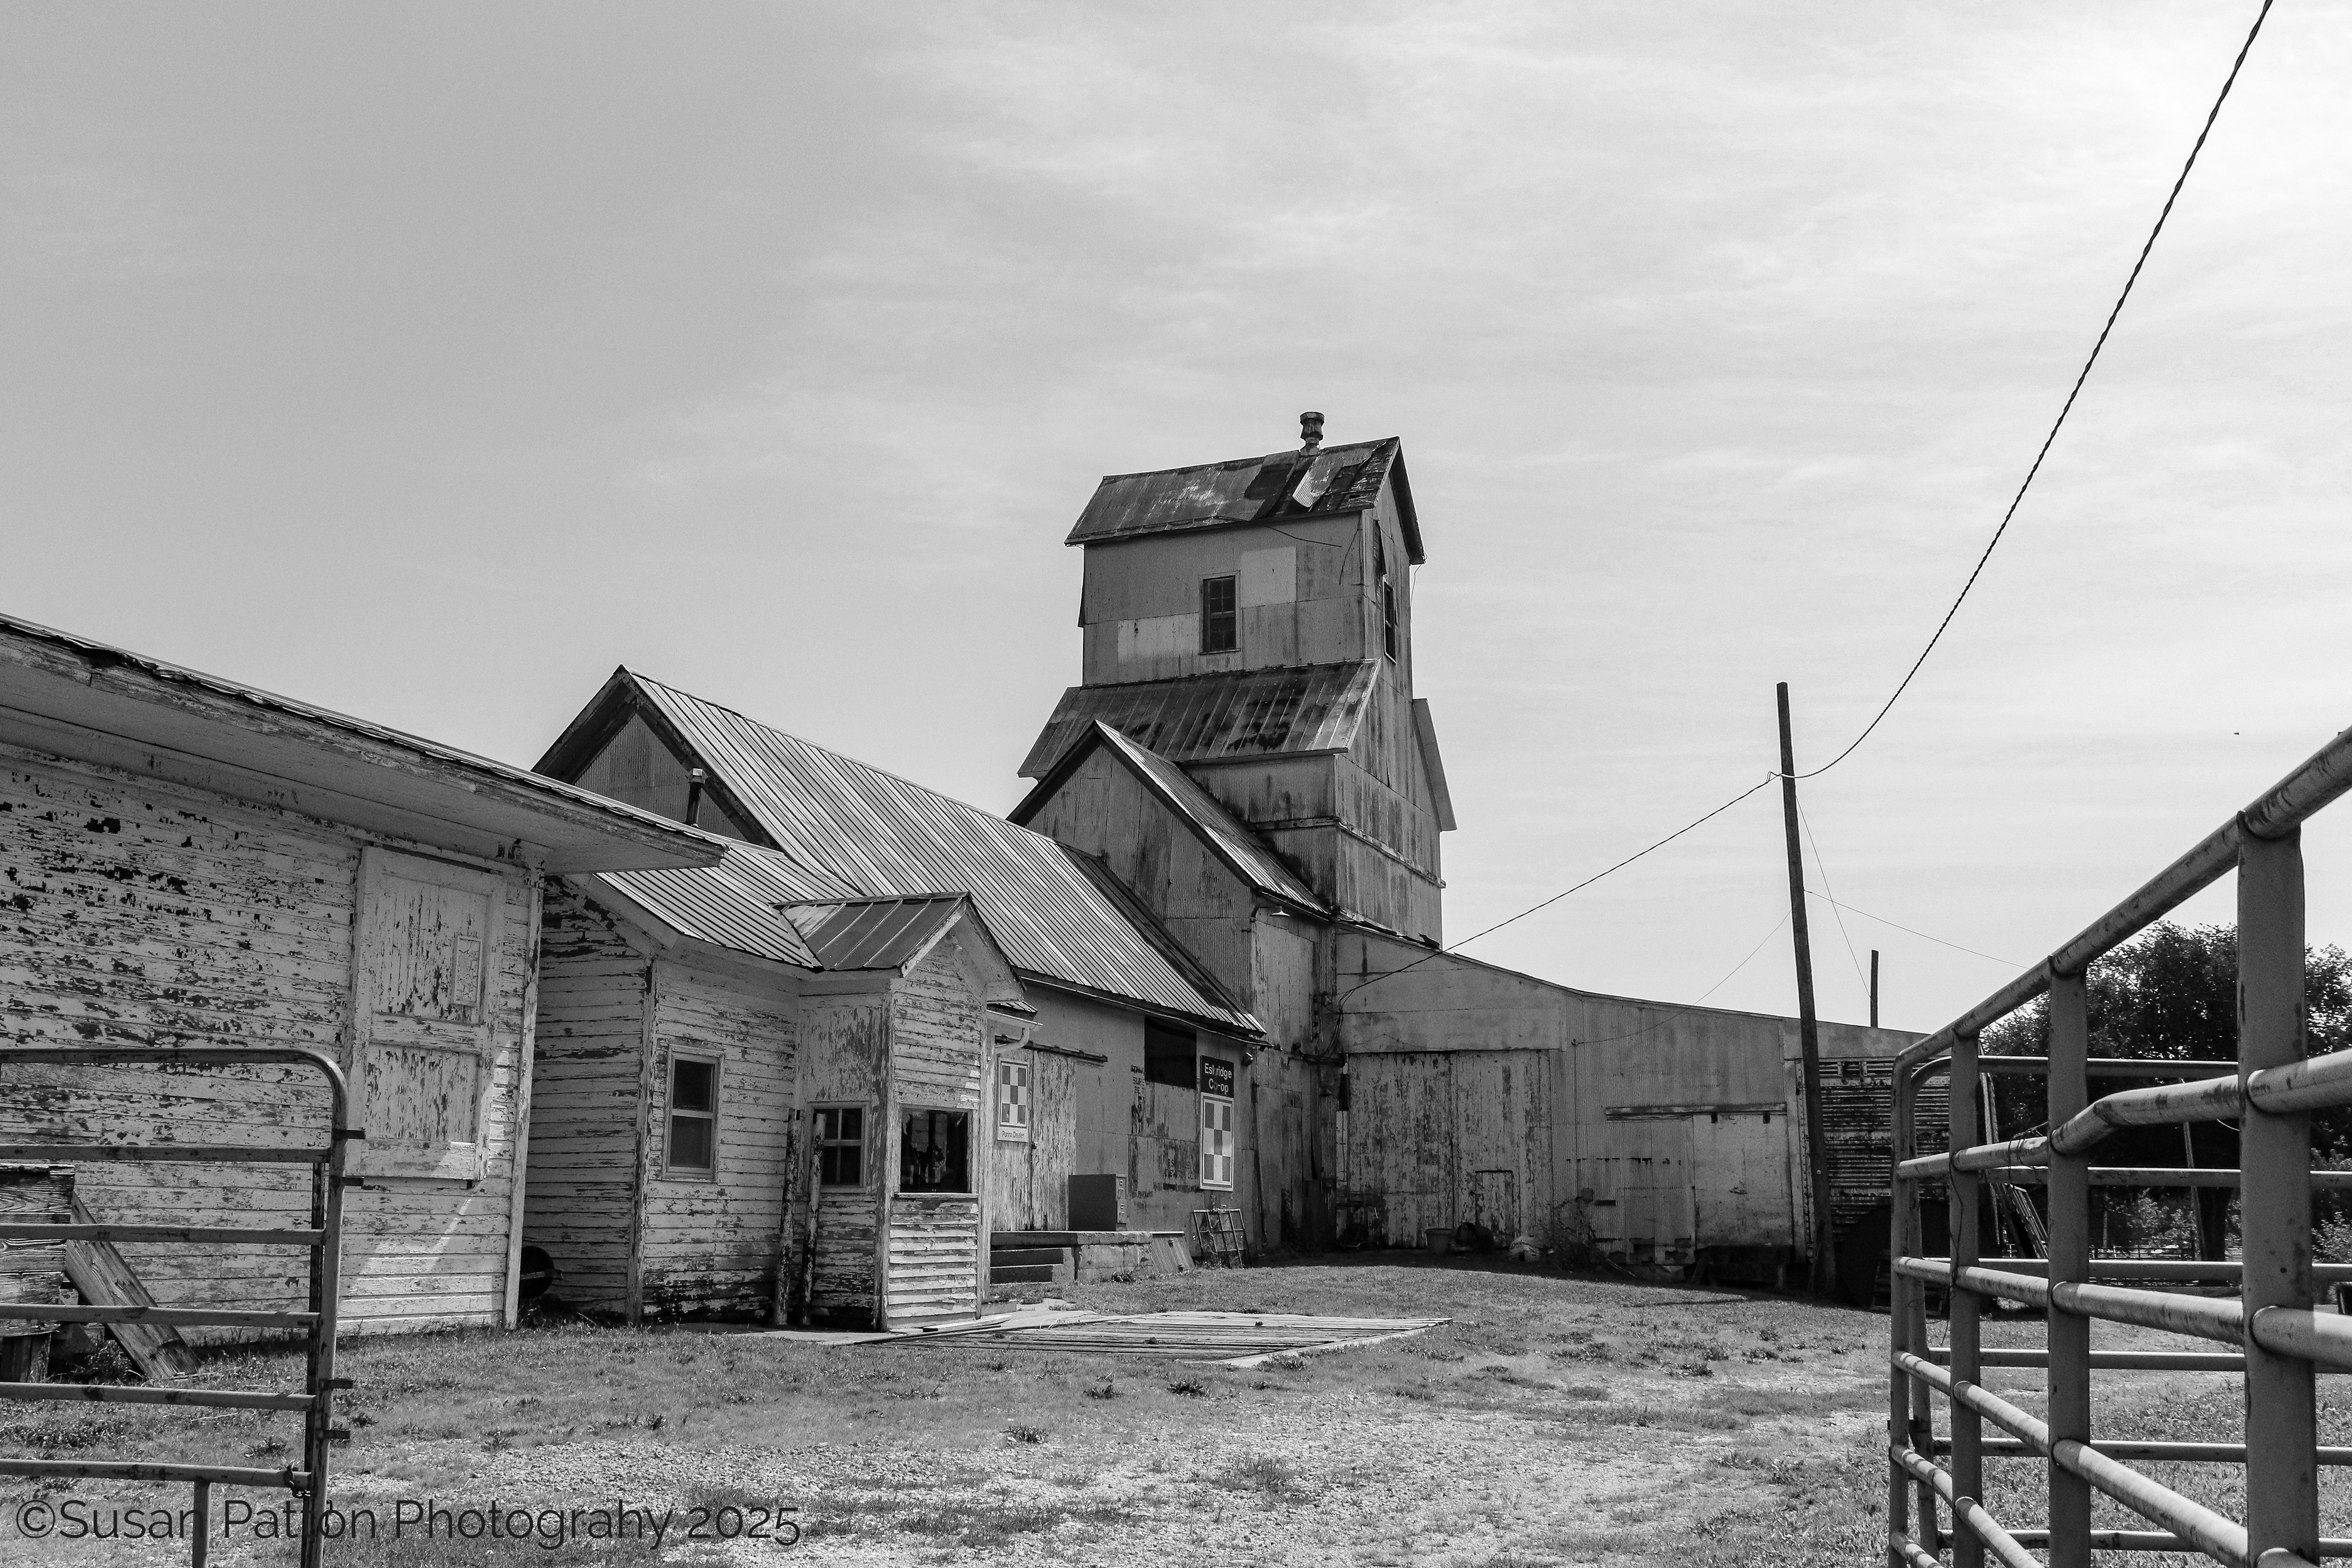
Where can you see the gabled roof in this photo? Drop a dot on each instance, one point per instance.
(876, 835)
(1225, 836)
(1228, 716)
(1248, 490)
(72, 697)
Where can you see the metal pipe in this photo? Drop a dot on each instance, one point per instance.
(2322, 1337)
(2067, 1379)
(2165, 1176)
(124, 1471)
(2173, 1269)
(1968, 1429)
(1901, 1228)
(2111, 1067)
(2210, 1533)
(1976, 1530)
(2111, 1361)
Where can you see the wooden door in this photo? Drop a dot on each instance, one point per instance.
(426, 963)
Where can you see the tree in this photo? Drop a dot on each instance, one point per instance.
(2171, 993)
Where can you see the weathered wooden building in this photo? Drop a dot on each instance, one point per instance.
(1128, 1023)
(184, 860)
(758, 1096)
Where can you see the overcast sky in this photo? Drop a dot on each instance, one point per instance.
(428, 361)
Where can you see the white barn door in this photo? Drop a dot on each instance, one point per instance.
(426, 963)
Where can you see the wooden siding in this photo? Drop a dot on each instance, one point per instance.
(934, 1257)
(711, 1245)
(136, 911)
(939, 1049)
(841, 1279)
(583, 1162)
(1297, 602)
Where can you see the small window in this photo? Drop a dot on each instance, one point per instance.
(1216, 1141)
(693, 1116)
(1388, 620)
(1168, 1054)
(1220, 633)
(935, 1151)
(1013, 1101)
(840, 1146)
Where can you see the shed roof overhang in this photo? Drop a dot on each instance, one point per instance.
(73, 698)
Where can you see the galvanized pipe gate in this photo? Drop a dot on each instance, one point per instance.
(2275, 1338)
(322, 1240)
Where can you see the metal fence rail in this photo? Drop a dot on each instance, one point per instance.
(322, 1239)
(2276, 1337)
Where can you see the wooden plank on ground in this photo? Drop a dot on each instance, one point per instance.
(105, 1278)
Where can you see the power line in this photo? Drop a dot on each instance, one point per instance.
(1743, 962)
(1532, 908)
(2068, 407)
(1835, 913)
(1921, 935)
(1658, 1024)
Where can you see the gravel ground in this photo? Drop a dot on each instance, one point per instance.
(1555, 1419)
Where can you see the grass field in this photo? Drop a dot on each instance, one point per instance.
(1557, 1419)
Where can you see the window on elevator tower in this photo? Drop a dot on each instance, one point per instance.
(1388, 595)
(1220, 630)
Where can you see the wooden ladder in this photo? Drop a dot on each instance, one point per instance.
(1217, 1238)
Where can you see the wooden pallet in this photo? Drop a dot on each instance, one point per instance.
(1217, 1238)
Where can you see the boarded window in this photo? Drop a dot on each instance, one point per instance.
(1220, 630)
(840, 1146)
(1216, 1141)
(1013, 1101)
(1388, 619)
(693, 1116)
(427, 958)
(935, 1151)
(1168, 1054)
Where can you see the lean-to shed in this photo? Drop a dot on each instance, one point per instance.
(184, 860)
(762, 1094)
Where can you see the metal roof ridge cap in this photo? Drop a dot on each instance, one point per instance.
(1239, 462)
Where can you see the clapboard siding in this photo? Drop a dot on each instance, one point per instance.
(934, 1251)
(936, 1044)
(134, 910)
(711, 1244)
(841, 1279)
(584, 1116)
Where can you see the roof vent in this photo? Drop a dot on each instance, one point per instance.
(1311, 432)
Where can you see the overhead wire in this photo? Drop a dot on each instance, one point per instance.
(1939, 942)
(2065, 409)
(1823, 867)
(2016, 501)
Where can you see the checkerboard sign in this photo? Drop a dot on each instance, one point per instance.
(1013, 1101)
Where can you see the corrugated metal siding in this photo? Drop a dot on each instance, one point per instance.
(1236, 714)
(1247, 490)
(886, 835)
(1858, 1113)
(1235, 844)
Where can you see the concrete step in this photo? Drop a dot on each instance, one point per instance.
(1000, 1256)
(1029, 1274)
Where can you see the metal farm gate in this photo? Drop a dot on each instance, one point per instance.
(322, 1240)
(2273, 1339)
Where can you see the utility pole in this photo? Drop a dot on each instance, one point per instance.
(1809, 1034)
(1873, 992)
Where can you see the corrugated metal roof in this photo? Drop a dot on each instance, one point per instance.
(874, 933)
(1246, 490)
(1226, 835)
(737, 904)
(881, 835)
(1229, 715)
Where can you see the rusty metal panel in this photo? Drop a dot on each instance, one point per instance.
(1246, 489)
(1231, 715)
